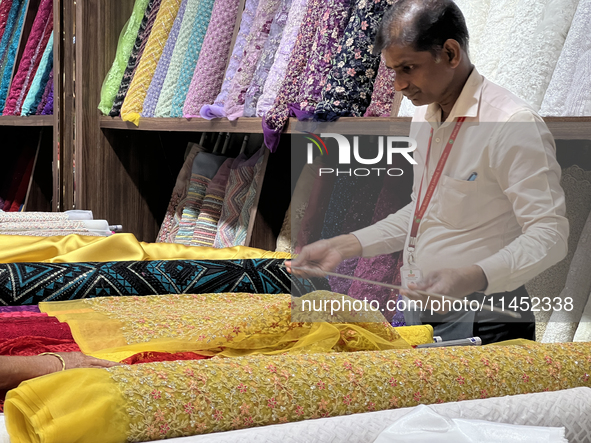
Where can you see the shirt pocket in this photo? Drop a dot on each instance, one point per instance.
(458, 204)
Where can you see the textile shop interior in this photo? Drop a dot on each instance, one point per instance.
(147, 211)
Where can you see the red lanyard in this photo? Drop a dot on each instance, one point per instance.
(421, 208)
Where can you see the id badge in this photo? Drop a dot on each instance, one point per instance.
(410, 274)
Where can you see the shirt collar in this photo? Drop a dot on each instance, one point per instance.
(467, 103)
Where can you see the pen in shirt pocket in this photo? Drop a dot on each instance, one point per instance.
(472, 177)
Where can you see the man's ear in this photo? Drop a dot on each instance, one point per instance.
(453, 52)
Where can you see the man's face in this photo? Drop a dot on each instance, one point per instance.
(419, 76)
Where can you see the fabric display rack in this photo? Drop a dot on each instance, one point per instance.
(173, 119)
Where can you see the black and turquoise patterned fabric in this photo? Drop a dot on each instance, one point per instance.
(31, 283)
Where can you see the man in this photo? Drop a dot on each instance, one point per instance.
(490, 212)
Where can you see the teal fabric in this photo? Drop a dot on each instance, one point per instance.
(40, 80)
(9, 46)
(191, 56)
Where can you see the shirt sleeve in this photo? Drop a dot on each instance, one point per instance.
(523, 159)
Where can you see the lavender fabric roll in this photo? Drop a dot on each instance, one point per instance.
(267, 58)
(327, 39)
(259, 33)
(48, 89)
(209, 73)
(216, 110)
(48, 109)
(151, 99)
(276, 117)
(350, 82)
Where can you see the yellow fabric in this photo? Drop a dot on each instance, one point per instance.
(173, 399)
(134, 101)
(229, 325)
(118, 247)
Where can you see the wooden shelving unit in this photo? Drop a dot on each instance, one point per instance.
(31, 121)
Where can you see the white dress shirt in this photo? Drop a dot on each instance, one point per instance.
(510, 220)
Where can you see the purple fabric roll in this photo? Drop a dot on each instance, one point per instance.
(48, 89)
(48, 109)
(26, 308)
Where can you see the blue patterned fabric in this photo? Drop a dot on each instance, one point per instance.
(9, 46)
(31, 283)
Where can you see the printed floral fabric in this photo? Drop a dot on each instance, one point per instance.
(249, 202)
(136, 54)
(278, 115)
(37, 89)
(333, 23)
(193, 52)
(124, 47)
(282, 56)
(259, 33)
(216, 109)
(209, 72)
(160, 75)
(9, 46)
(267, 58)
(349, 86)
(384, 94)
(134, 101)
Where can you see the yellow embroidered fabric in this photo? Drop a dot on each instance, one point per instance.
(173, 399)
(229, 325)
(118, 247)
(134, 101)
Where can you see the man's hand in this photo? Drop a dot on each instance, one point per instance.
(456, 283)
(324, 256)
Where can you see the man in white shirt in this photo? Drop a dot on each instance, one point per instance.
(494, 215)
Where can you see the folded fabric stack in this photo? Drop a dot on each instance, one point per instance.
(48, 224)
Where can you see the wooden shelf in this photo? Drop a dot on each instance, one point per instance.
(33, 120)
(563, 128)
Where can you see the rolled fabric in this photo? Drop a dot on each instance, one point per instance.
(48, 89)
(134, 101)
(260, 390)
(48, 108)
(216, 110)
(329, 34)
(135, 57)
(160, 74)
(277, 73)
(37, 89)
(33, 52)
(251, 196)
(9, 46)
(128, 36)
(174, 69)
(255, 42)
(193, 53)
(384, 94)
(278, 115)
(267, 58)
(209, 71)
(5, 6)
(349, 85)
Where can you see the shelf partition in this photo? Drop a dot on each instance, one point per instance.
(33, 120)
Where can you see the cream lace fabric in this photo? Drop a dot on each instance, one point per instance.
(569, 91)
(407, 109)
(476, 15)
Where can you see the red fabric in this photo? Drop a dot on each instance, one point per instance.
(32, 345)
(48, 327)
(5, 6)
(150, 357)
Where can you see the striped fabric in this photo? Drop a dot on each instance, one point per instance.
(244, 217)
(205, 167)
(211, 209)
(136, 54)
(134, 102)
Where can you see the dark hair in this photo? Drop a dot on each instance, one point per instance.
(423, 24)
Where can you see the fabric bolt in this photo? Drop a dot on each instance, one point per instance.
(164, 104)
(538, 35)
(267, 58)
(48, 108)
(241, 177)
(384, 94)
(211, 209)
(5, 6)
(19, 309)
(170, 224)
(476, 15)
(44, 98)
(255, 42)
(349, 85)
(216, 109)
(333, 23)
(209, 71)
(155, 88)
(125, 45)
(39, 326)
(205, 167)
(136, 54)
(32, 345)
(249, 202)
(282, 56)
(25, 284)
(407, 109)
(563, 97)
(9, 46)
(134, 101)
(278, 115)
(37, 89)
(260, 390)
(192, 55)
